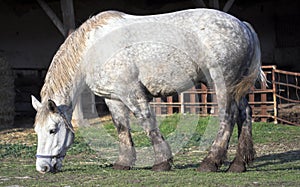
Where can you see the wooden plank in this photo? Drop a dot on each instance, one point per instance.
(200, 91)
(228, 5)
(260, 103)
(274, 96)
(261, 116)
(199, 3)
(181, 101)
(169, 107)
(68, 15)
(178, 104)
(213, 92)
(262, 91)
(287, 85)
(287, 72)
(288, 122)
(158, 108)
(286, 99)
(263, 105)
(56, 21)
(211, 3)
(193, 100)
(216, 4)
(269, 67)
(204, 98)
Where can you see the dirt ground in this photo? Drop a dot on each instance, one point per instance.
(290, 112)
(28, 136)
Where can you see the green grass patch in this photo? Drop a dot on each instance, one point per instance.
(270, 132)
(17, 151)
(277, 164)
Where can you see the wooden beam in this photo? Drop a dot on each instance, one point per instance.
(228, 5)
(215, 4)
(68, 15)
(56, 21)
(200, 3)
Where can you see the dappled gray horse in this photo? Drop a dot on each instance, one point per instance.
(128, 60)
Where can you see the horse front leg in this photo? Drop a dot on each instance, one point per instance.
(245, 151)
(127, 153)
(137, 102)
(217, 153)
(162, 150)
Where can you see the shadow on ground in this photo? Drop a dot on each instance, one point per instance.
(286, 159)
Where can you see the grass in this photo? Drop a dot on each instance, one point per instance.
(277, 162)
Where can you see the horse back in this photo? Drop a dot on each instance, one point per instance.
(168, 53)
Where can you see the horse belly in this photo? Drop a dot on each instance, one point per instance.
(166, 71)
(165, 84)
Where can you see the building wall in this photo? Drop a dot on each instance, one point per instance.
(29, 39)
(260, 15)
(277, 24)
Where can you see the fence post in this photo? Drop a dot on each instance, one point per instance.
(157, 107)
(193, 101)
(169, 105)
(181, 100)
(204, 98)
(263, 98)
(274, 94)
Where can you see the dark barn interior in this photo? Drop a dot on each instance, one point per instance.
(29, 38)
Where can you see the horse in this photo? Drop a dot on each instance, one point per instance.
(128, 60)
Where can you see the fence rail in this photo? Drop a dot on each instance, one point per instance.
(287, 95)
(277, 102)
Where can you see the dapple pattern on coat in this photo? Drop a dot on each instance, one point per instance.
(128, 60)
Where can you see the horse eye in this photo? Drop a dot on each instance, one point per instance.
(52, 131)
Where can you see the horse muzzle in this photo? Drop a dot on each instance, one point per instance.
(45, 164)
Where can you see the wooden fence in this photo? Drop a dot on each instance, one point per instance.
(287, 96)
(277, 102)
(28, 81)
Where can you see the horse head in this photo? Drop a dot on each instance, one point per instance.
(55, 134)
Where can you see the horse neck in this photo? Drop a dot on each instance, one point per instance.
(66, 96)
(63, 82)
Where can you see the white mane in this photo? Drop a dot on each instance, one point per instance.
(66, 62)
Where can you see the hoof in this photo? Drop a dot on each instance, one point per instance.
(121, 167)
(164, 166)
(207, 167)
(237, 167)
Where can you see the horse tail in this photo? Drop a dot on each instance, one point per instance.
(254, 71)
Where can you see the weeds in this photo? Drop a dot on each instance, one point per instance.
(16, 150)
(277, 164)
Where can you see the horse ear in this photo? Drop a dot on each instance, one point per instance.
(52, 106)
(35, 103)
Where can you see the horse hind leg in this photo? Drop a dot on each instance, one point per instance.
(127, 153)
(217, 154)
(245, 151)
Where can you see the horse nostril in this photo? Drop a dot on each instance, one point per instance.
(55, 168)
(45, 169)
